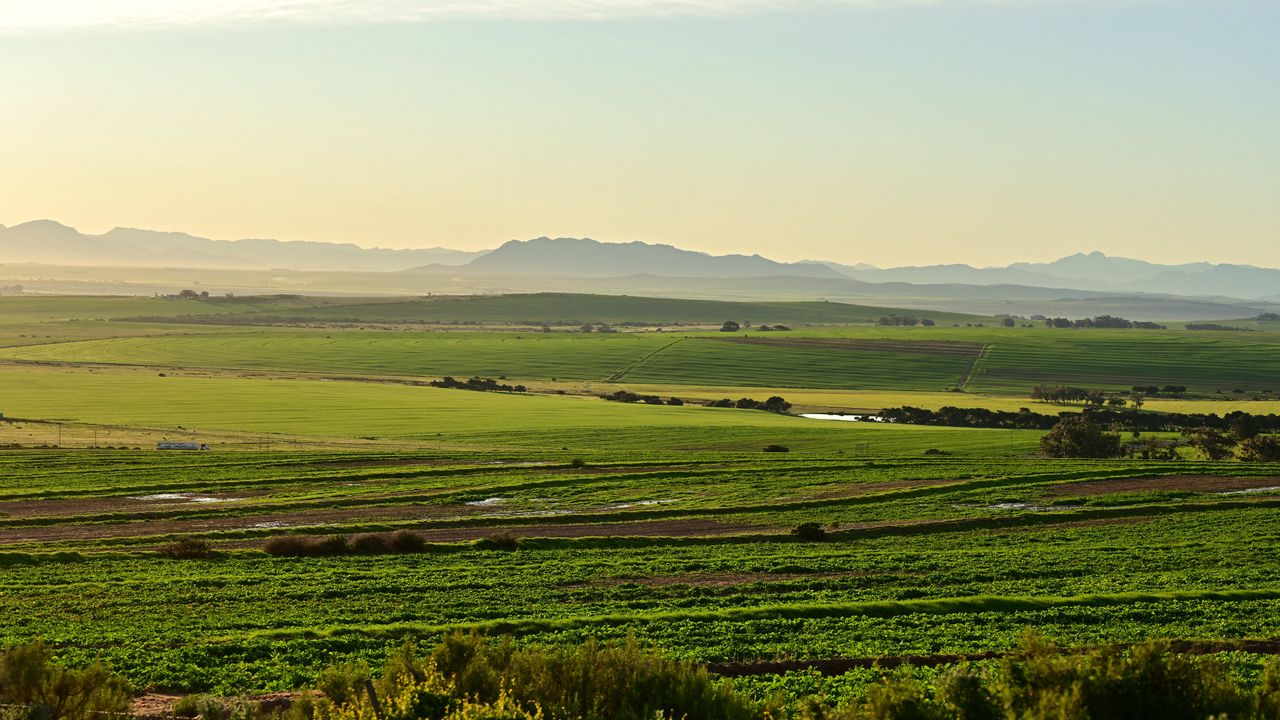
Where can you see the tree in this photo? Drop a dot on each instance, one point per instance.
(1261, 448)
(1075, 436)
(1242, 426)
(1008, 322)
(1136, 401)
(776, 404)
(1211, 443)
(730, 326)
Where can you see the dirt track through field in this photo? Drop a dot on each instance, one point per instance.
(1172, 483)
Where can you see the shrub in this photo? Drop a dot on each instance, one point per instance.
(286, 546)
(578, 463)
(936, 451)
(590, 681)
(29, 678)
(369, 544)
(404, 541)
(297, 546)
(1076, 437)
(1261, 448)
(214, 708)
(810, 531)
(331, 545)
(777, 448)
(187, 548)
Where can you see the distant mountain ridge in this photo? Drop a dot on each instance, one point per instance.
(49, 242)
(1092, 271)
(584, 257)
(52, 243)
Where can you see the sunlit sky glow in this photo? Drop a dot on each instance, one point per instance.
(883, 131)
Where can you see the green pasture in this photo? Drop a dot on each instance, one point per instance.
(571, 309)
(1011, 361)
(454, 418)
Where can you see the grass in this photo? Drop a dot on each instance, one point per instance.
(873, 359)
(666, 523)
(189, 405)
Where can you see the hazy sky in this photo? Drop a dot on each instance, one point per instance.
(882, 131)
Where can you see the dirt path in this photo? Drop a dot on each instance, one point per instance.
(1172, 483)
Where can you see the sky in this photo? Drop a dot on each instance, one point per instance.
(892, 132)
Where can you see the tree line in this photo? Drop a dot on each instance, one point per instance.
(1071, 395)
(478, 384)
(1095, 433)
(904, 321)
(1104, 322)
(1242, 424)
(774, 404)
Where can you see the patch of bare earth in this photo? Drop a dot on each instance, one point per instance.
(653, 528)
(1171, 483)
(160, 705)
(103, 505)
(145, 528)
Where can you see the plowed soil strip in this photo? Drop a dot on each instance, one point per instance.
(654, 528)
(1172, 483)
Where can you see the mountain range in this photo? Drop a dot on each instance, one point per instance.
(51, 243)
(584, 257)
(1093, 271)
(1083, 275)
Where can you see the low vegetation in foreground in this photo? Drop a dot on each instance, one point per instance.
(470, 677)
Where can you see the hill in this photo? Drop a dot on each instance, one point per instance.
(52, 243)
(1092, 271)
(584, 257)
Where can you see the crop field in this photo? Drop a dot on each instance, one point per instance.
(982, 360)
(188, 405)
(692, 552)
(554, 516)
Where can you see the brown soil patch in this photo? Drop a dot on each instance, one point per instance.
(160, 705)
(1175, 483)
(75, 507)
(144, 528)
(926, 347)
(655, 528)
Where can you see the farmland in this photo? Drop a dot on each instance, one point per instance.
(555, 516)
(676, 345)
(693, 554)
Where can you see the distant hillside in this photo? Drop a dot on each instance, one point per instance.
(575, 257)
(51, 243)
(1091, 271)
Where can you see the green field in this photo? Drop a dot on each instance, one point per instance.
(690, 552)
(555, 516)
